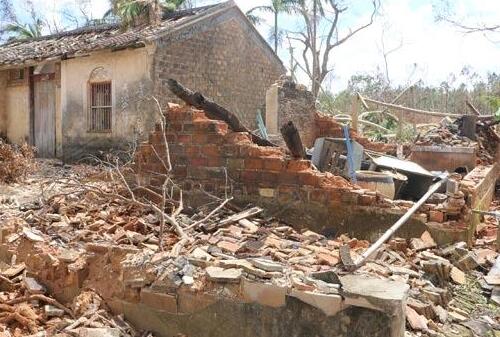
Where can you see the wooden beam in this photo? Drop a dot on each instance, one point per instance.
(213, 110)
(292, 139)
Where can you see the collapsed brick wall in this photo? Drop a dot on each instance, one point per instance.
(326, 126)
(297, 104)
(207, 156)
(222, 58)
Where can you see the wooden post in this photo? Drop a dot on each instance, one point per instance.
(355, 112)
(292, 139)
(400, 124)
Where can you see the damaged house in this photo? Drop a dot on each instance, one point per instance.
(90, 89)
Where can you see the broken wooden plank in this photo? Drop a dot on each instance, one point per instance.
(231, 219)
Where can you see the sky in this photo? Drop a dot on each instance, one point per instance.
(429, 50)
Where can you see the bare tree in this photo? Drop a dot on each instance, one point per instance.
(323, 16)
(445, 12)
(387, 51)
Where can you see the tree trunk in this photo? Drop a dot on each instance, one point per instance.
(276, 31)
(213, 110)
(292, 139)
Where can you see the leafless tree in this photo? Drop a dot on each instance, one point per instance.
(387, 51)
(321, 35)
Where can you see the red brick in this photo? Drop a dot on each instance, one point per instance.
(210, 150)
(238, 138)
(200, 138)
(235, 164)
(254, 164)
(249, 175)
(273, 164)
(288, 178)
(298, 165)
(184, 139)
(327, 259)
(309, 179)
(192, 150)
(215, 162)
(198, 161)
(317, 195)
(436, 216)
(367, 200)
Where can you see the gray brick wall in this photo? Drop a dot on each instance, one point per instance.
(223, 60)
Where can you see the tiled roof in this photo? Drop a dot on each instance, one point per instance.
(92, 38)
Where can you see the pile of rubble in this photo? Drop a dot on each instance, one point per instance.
(448, 134)
(25, 310)
(225, 244)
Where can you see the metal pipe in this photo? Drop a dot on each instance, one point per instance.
(373, 248)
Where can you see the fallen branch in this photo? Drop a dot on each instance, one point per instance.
(42, 298)
(213, 110)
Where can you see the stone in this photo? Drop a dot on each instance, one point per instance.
(188, 280)
(249, 226)
(378, 294)
(441, 313)
(51, 311)
(263, 293)
(455, 316)
(31, 235)
(228, 246)
(329, 304)
(217, 274)
(32, 286)
(458, 276)
(68, 256)
(495, 295)
(468, 262)
(416, 321)
(99, 332)
(328, 259)
(267, 265)
(159, 300)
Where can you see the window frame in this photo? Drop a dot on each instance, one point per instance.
(90, 127)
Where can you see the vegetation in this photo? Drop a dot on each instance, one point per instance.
(276, 7)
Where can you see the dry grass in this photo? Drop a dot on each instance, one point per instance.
(16, 161)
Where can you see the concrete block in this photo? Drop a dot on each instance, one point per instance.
(329, 304)
(386, 296)
(160, 301)
(263, 293)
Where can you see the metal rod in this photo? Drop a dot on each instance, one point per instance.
(373, 248)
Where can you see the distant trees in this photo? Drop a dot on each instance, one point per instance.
(450, 96)
(12, 27)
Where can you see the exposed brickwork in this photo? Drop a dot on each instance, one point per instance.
(326, 126)
(297, 104)
(207, 155)
(203, 150)
(224, 62)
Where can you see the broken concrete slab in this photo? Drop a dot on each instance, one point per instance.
(263, 293)
(217, 274)
(329, 304)
(378, 294)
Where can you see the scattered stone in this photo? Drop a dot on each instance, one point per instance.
(51, 311)
(32, 286)
(218, 274)
(416, 321)
(267, 265)
(99, 332)
(458, 276)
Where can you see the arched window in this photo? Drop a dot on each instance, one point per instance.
(100, 101)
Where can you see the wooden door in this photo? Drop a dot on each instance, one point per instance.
(45, 116)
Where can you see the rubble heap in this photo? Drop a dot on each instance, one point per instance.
(25, 310)
(448, 133)
(226, 245)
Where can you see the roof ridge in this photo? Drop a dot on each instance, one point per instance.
(101, 27)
